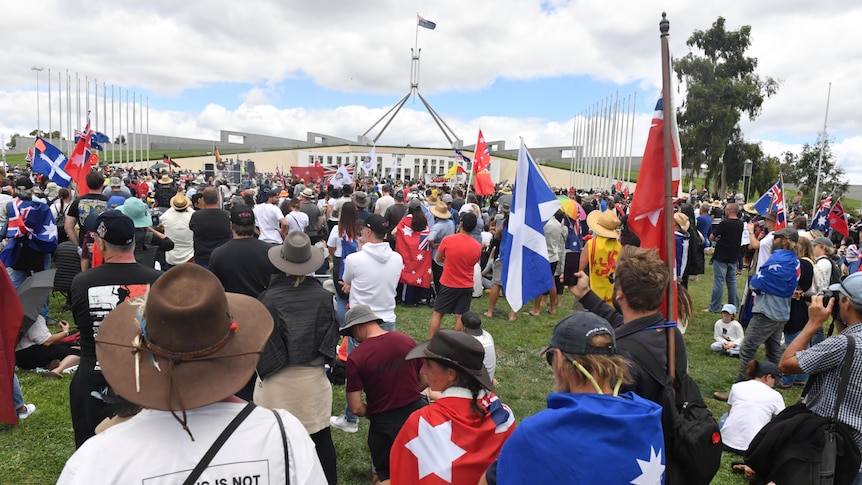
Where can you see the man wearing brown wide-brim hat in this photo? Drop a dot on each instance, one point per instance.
(181, 351)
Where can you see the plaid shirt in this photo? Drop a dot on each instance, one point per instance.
(823, 362)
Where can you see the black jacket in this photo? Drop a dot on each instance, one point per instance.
(305, 330)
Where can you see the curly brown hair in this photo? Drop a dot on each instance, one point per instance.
(642, 276)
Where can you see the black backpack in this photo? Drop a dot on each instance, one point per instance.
(691, 434)
(802, 448)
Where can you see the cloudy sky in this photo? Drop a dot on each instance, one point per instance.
(510, 67)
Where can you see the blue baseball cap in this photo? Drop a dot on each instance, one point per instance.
(851, 287)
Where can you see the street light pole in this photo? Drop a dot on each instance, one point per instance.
(38, 121)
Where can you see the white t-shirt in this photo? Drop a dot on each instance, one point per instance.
(490, 361)
(268, 218)
(752, 405)
(152, 448)
(383, 203)
(725, 332)
(37, 334)
(177, 229)
(765, 249)
(296, 221)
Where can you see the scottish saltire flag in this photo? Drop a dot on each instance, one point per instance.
(425, 23)
(49, 160)
(370, 160)
(779, 275)
(527, 270)
(541, 448)
(30, 223)
(773, 201)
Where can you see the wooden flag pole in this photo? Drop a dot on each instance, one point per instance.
(664, 28)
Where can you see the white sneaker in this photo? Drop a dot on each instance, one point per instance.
(343, 424)
(29, 409)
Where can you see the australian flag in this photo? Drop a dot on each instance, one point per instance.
(30, 223)
(773, 201)
(821, 219)
(779, 275)
(526, 269)
(425, 23)
(50, 161)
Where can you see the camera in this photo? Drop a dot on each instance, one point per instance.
(827, 295)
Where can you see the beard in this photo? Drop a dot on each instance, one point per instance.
(617, 306)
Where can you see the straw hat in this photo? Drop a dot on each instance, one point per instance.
(682, 220)
(605, 224)
(165, 179)
(185, 344)
(440, 210)
(180, 202)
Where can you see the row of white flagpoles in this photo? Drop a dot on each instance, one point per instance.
(137, 117)
(602, 140)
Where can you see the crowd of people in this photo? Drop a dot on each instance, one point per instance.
(195, 297)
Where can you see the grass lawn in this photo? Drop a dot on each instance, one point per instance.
(34, 451)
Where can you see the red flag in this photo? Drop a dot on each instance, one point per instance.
(838, 220)
(414, 248)
(619, 186)
(442, 444)
(482, 183)
(10, 324)
(646, 212)
(82, 158)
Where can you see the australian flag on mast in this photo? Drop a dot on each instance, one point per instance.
(773, 201)
(527, 269)
(425, 23)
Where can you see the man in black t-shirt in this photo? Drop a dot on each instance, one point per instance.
(728, 237)
(242, 264)
(211, 227)
(94, 293)
(93, 202)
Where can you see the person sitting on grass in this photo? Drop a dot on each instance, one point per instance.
(728, 333)
(750, 405)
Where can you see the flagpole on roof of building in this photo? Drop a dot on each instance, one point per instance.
(664, 28)
(816, 198)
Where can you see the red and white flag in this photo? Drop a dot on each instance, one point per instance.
(838, 220)
(482, 183)
(443, 444)
(82, 158)
(647, 210)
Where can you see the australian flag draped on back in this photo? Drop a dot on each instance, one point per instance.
(30, 224)
(527, 270)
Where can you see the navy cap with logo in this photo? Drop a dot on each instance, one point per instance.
(574, 333)
(115, 227)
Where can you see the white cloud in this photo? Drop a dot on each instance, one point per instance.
(168, 48)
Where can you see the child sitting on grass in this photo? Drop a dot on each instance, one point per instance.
(728, 333)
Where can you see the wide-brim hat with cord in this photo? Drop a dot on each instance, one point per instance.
(183, 344)
(605, 224)
(296, 256)
(457, 349)
(180, 202)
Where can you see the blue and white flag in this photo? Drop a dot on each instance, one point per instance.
(527, 269)
(821, 219)
(30, 223)
(773, 201)
(779, 275)
(49, 160)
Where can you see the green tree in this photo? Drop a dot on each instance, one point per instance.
(801, 170)
(720, 85)
(13, 142)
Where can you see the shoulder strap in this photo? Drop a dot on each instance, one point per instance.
(286, 449)
(643, 357)
(219, 442)
(845, 374)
